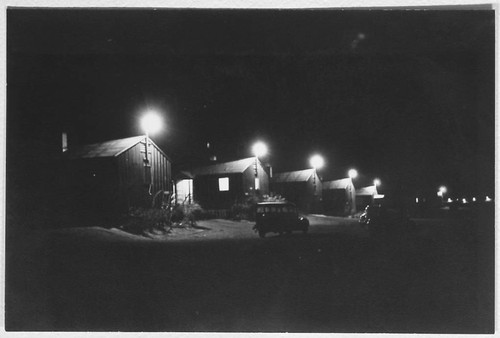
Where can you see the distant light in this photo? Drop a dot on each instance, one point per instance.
(151, 123)
(353, 173)
(416, 200)
(376, 182)
(473, 199)
(440, 193)
(317, 161)
(259, 149)
(464, 200)
(488, 199)
(450, 200)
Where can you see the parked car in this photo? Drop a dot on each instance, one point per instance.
(278, 217)
(380, 221)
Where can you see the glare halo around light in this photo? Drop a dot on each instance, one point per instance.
(317, 162)
(151, 123)
(353, 173)
(259, 149)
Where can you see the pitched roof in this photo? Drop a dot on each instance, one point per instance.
(183, 174)
(370, 190)
(110, 148)
(337, 184)
(293, 176)
(233, 167)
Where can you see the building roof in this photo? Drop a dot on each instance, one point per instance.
(183, 175)
(233, 167)
(370, 190)
(337, 184)
(293, 176)
(111, 148)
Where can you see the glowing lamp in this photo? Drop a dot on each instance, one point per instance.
(151, 123)
(259, 149)
(317, 161)
(353, 173)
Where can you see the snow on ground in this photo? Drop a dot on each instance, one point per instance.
(205, 229)
(214, 228)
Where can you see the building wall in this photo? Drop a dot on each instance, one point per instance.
(316, 194)
(207, 194)
(299, 193)
(93, 184)
(307, 195)
(249, 180)
(363, 200)
(134, 183)
(241, 186)
(339, 202)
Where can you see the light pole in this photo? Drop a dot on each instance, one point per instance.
(316, 162)
(353, 173)
(150, 123)
(259, 149)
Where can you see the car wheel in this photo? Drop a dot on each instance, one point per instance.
(262, 234)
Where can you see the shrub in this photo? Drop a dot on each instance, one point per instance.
(245, 209)
(140, 220)
(187, 214)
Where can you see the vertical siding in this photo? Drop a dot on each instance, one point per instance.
(131, 172)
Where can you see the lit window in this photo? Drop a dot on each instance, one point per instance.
(224, 184)
(257, 184)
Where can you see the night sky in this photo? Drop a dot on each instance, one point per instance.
(405, 96)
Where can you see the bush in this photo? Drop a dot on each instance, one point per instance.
(187, 214)
(140, 220)
(245, 209)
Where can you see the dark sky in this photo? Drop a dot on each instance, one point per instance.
(406, 96)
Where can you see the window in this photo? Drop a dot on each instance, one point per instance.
(257, 184)
(224, 184)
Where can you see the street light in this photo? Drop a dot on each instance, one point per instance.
(317, 162)
(353, 173)
(150, 123)
(259, 149)
(376, 182)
